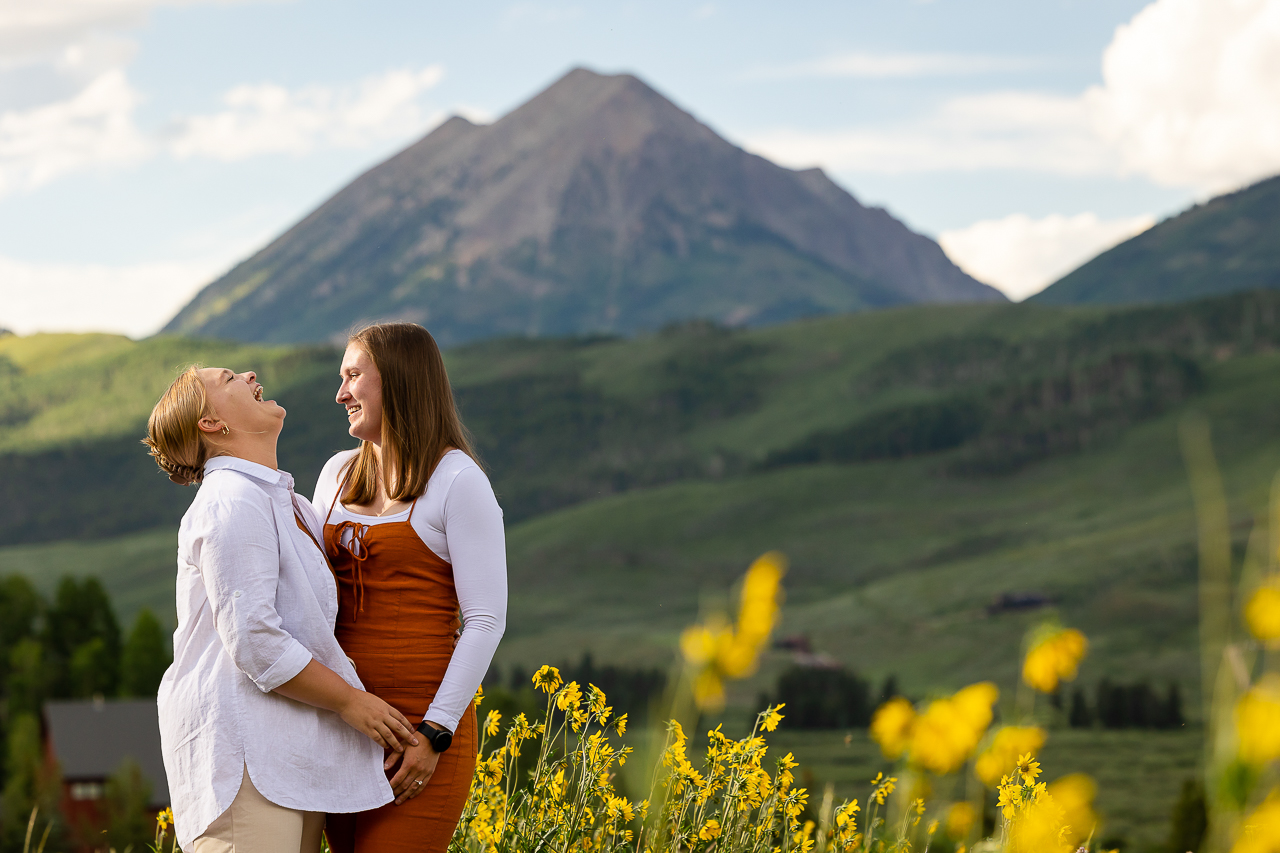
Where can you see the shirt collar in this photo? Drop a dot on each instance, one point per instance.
(271, 476)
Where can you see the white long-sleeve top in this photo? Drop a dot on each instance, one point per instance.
(256, 603)
(459, 519)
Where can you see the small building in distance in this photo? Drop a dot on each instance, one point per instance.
(89, 740)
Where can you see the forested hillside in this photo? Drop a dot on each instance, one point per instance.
(1227, 244)
(917, 465)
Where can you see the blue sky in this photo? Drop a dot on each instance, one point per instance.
(146, 145)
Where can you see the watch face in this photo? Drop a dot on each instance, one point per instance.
(441, 741)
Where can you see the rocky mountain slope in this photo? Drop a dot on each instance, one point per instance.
(1230, 243)
(597, 206)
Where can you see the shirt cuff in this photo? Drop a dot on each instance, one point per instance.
(289, 664)
(440, 719)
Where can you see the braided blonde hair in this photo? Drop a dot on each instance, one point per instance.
(173, 435)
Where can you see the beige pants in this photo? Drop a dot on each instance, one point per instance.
(254, 824)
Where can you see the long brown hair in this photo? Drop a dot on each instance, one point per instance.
(419, 418)
(173, 437)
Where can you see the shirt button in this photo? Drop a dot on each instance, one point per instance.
(238, 594)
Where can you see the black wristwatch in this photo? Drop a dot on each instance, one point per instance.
(438, 738)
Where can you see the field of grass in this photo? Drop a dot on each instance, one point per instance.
(1139, 773)
(894, 561)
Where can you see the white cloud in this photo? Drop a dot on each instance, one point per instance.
(33, 27)
(1191, 97)
(93, 128)
(879, 66)
(268, 119)
(134, 300)
(1002, 130)
(1021, 256)
(1191, 93)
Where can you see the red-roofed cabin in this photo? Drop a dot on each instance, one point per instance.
(89, 740)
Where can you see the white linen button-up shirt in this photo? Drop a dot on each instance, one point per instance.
(256, 603)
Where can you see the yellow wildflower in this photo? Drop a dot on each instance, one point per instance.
(891, 726)
(1002, 755)
(547, 679)
(847, 816)
(1258, 721)
(479, 697)
(490, 770)
(770, 719)
(1262, 613)
(960, 819)
(708, 690)
(165, 818)
(620, 724)
(1028, 768)
(1054, 657)
(710, 830)
(569, 696)
(620, 807)
(718, 651)
(948, 731)
(803, 840)
(1261, 832)
(1053, 819)
(491, 722)
(884, 787)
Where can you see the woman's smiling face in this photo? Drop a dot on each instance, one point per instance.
(236, 398)
(361, 394)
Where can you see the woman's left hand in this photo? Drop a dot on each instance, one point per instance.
(417, 763)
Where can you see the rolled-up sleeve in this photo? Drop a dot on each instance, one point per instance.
(238, 557)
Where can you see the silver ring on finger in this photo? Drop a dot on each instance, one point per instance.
(416, 784)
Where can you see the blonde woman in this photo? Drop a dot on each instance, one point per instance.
(264, 725)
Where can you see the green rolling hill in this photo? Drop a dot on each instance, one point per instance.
(916, 464)
(1230, 243)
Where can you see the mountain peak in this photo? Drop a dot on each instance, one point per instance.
(596, 206)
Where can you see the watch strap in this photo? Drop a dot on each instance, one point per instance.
(440, 739)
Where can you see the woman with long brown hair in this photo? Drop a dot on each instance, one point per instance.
(415, 536)
(264, 726)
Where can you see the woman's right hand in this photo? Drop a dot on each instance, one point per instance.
(373, 717)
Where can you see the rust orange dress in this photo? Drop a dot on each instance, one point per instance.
(397, 613)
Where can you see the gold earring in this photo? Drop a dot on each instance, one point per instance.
(226, 430)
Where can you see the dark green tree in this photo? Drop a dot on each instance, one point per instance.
(27, 683)
(888, 689)
(80, 615)
(1190, 819)
(823, 698)
(129, 822)
(29, 783)
(145, 657)
(20, 607)
(1171, 716)
(1079, 716)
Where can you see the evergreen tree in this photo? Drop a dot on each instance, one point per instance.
(1173, 717)
(1190, 819)
(127, 796)
(28, 783)
(27, 684)
(819, 698)
(145, 657)
(889, 689)
(20, 606)
(81, 614)
(1141, 704)
(1079, 717)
